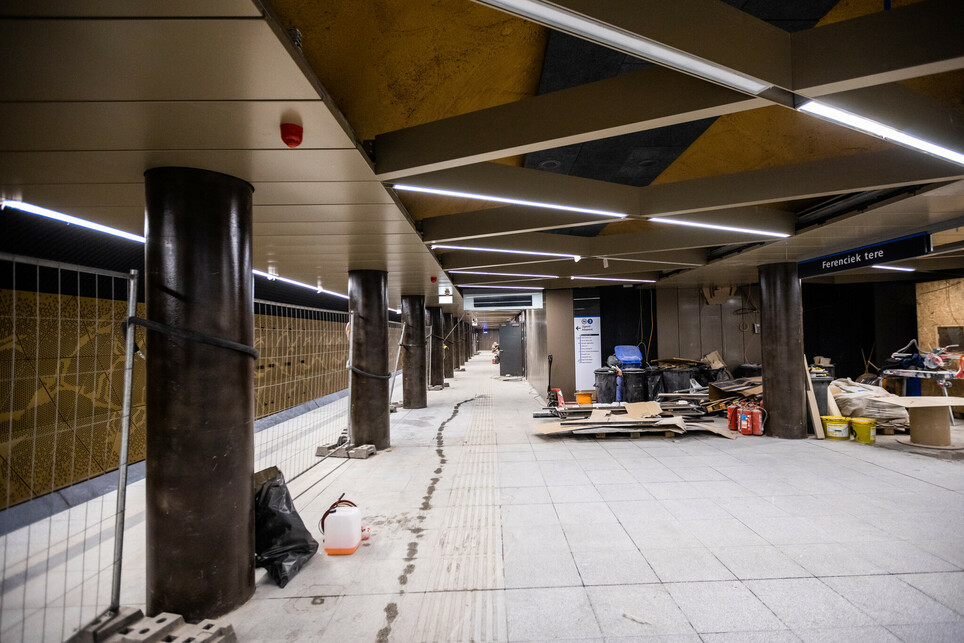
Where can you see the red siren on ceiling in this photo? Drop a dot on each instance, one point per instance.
(434, 278)
(292, 134)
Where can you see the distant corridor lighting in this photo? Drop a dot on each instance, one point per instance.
(500, 274)
(579, 25)
(509, 287)
(726, 228)
(502, 199)
(669, 263)
(66, 218)
(631, 281)
(535, 253)
(898, 268)
(885, 132)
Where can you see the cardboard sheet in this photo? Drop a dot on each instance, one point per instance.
(743, 387)
(640, 410)
(923, 401)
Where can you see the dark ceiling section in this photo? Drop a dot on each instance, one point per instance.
(636, 159)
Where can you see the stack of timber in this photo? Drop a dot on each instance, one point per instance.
(633, 419)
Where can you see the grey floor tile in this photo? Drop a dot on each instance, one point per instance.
(806, 603)
(627, 567)
(786, 530)
(771, 636)
(929, 632)
(597, 462)
(723, 532)
(524, 496)
(522, 515)
(527, 569)
(891, 601)
(637, 611)
(726, 606)
(694, 508)
(673, 490)
(905, 558)
(632, 511)
(699, 473)
(683, 565)
(574, 493)
(610, 476)
(660, 533)
(603, 537)
(764, 561)
(595, 513)
(534, 539)
(948, 587)
(620, 492)
(871, 634)
(831, 559)
(546, 614)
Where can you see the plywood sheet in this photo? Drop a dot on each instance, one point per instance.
(922, 402)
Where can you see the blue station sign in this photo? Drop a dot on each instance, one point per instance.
(867, 256)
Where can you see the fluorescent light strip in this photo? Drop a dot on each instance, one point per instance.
(886, 132)
(271, 277)
(632, 281)
(517, 252)
(899, 268)
(710, 226)
(501, 287)
(499, 274)
(502, 199)
(66, 218)
(629, 43)
(668, 263)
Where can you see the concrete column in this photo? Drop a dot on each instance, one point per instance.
(200, 398)
(368, 299)
(784, 383)
(459, 339)
(449, 346)
(414, 382)
(436, 374)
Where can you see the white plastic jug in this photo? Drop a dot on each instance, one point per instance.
(342, 530)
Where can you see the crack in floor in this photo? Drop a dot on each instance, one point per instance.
(391, 610)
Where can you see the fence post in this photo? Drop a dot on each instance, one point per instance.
(125, 434)
(398, 353)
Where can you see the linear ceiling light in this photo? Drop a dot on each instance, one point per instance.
(886, 132)
(502, 199)
(710, 226)
(516, 252)
(501, 287)
(631, 281)
(669, 263)
(500, 274)
(271, 277)
(633, 44)
(899, 268)
(66, 218)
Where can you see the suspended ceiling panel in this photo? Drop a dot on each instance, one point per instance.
(94, 94)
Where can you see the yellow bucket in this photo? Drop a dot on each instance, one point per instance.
(865, 429)
(583, 397)
(836, 427)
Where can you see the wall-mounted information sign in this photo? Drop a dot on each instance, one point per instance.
(588, 351)
(880, 253)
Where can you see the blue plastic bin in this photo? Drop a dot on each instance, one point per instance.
(629, 356)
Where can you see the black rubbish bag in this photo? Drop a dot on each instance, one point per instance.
(282, 543)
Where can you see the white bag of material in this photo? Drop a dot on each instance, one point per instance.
(863, 400)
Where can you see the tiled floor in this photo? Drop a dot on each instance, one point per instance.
(485, 530)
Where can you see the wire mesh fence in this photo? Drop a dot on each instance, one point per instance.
(301, 383)
(62, 375)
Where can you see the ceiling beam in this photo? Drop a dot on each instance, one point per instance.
(492, 222)
(876, 170)
(643, 100)
(497, 179)
(884, 47)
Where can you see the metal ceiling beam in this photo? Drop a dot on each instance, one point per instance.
(643, 100)
(885, 47)
(497, 179)
(492, 222)
(817, 178)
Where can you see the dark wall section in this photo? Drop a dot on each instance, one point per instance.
(841, 319)
(628, 318)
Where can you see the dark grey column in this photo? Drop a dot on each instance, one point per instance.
(449, 346)
(200, 398)
(782, 341)
(368, 299)
(436, 373)
(459, 342)
(414, 382)
(469, 335)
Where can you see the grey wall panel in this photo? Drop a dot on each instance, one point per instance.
(560, 341)
(688, 306)
(667, 324)
(487, 339)
(732, 335)
(537, 371)
(711, 327)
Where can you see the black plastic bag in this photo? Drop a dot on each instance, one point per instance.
(282, 543)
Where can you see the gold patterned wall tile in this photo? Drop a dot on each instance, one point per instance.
(51, 460)
(29, 406)
(13, 489)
